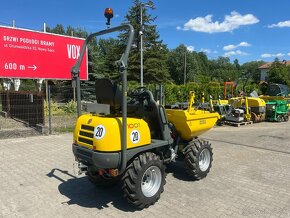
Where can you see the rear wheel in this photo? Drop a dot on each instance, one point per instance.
(286, 118)
(101, 180)
(219, 122)
(143, 180)
(263, 117)
(198, 158)
(254, 117)
(279, 118)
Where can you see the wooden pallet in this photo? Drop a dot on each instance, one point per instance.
(230, 123)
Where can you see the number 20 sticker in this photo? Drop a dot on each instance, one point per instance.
(99, 132)
(135, 136)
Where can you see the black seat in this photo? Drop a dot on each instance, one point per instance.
(152, 115)
(108, 92)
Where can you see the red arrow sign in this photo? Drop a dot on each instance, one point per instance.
(35, 55)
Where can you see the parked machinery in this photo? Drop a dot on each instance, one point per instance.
(236, 115)
(277, 110)
(276, 91)
(256, 107)
(232, 89)
(222, 107)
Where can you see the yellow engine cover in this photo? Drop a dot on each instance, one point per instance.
(252, 102)
(220, 102)
(102, 133)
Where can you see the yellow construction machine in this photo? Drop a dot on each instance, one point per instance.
(128, 137)
(276, 91)
(254, 107)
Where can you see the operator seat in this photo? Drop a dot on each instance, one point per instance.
(108, 92)
(154, 115)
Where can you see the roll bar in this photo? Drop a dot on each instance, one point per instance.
(122, 64)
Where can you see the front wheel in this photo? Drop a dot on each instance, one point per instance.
(198, 158)
(143, 180)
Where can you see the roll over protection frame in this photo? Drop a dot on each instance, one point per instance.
(122, 65)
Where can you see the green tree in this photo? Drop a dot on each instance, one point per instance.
(28, 85)
(236, 64)
(155, 52)
(176, 62)
(197, 65)
(223, 70)
(251, 70)
(279, 73)
(58, 29)
(108, 54)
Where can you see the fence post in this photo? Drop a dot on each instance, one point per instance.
(8, 103)
(49, 110)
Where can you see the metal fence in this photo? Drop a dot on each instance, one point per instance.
(51, 111)
(60, 109)
(24, 106)
(27, 113)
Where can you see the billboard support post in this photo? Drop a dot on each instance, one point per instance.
(49, 110)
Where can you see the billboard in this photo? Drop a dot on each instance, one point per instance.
(30, 54)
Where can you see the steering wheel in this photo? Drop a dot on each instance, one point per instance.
(139, 94)
(138, 91)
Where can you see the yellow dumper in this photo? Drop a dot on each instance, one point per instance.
(128, 137)
(191, 123)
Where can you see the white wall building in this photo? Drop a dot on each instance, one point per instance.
(264, 69)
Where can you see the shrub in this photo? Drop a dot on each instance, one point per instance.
(70, 107)
(55, 108)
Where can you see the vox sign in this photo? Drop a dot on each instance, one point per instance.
(36, 55)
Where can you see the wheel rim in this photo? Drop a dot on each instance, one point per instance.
(151, 181)
(204, 159)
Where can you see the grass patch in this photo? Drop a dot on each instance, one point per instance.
(64, 129)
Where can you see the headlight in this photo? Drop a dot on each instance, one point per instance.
(273, 107)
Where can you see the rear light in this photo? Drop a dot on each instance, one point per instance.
(113, 172)
(101, 172)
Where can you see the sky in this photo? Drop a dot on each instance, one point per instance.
(247, 30)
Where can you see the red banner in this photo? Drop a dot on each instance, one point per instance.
(35, 55)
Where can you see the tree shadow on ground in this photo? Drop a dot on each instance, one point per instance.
(82, 192)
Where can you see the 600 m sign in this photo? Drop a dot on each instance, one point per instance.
(33, 55)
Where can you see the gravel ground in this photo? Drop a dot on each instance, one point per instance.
(8, 123)
(10, 128)
(62, 122)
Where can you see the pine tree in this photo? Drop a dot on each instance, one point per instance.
(196, 65)
(154, 51)
(176, 61)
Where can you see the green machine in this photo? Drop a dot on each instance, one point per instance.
(277, 110)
